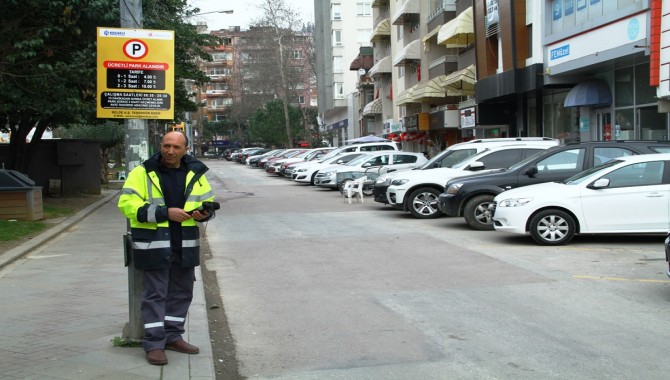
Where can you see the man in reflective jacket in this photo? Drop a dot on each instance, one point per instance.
(162, 199)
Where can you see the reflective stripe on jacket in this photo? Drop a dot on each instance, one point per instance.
(142, 202)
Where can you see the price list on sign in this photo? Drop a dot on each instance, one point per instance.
(135, 73)
(136, 79)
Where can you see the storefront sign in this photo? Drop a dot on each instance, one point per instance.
(417, 122)
(468, 119)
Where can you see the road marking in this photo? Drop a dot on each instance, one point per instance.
(621, 279)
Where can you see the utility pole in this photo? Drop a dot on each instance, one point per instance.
(137, 151)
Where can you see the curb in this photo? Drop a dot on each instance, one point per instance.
(23, 249)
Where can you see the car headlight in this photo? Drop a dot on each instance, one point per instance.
(514, 202)
(399, 182)
(330, 172)
(453, 188)
(301, 170)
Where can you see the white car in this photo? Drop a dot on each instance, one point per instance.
(451, 156)
(376, 162)
(417, 191)
(306, 171)
(314, 154)
(627, 195)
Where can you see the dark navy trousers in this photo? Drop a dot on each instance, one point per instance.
(166, 297)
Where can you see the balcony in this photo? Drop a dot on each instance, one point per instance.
(217, 92)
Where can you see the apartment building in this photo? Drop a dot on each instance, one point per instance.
(342, 28)
(233, 82)
(445, 71)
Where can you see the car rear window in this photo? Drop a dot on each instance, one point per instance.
(660, 149)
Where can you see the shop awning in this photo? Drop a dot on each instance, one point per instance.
(411, 52)
(429, 89)
(591, 92)
(407, 11)
(431, 34)
(402, 96)
(459, 32)
(460, 83)
(381, 67)
(382, 31)
(373, 108)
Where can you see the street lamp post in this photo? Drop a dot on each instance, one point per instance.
(206, 13)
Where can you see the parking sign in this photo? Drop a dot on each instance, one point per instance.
(135, 76)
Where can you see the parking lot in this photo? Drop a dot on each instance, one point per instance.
(315, 287)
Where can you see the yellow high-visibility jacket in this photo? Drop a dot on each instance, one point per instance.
(142, 202)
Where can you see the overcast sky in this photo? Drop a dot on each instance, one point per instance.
(244, 12)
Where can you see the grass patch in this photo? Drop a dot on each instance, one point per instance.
(51, 212)
(19, 229)
(120, 342)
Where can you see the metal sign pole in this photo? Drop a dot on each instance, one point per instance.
(137, 151)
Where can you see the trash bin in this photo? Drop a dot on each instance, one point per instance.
(19, 197)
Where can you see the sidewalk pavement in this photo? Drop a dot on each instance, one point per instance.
(65, 298)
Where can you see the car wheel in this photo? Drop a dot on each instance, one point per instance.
(552, 227)
(311, 181)
(477, 213)
(423, 203)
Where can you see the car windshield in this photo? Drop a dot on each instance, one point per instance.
(586, 174)
(359, 160)
(342, 157)
(448, 158)
(332, 153)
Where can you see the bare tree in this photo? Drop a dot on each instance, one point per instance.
(276, 51)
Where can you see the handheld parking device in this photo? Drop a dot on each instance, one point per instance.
(206, 206)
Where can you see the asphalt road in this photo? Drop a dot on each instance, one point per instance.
(316, 288)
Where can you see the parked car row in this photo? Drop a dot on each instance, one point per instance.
(532, 186)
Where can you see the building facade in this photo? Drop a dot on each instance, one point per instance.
(342, 28)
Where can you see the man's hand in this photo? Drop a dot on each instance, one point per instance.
(200, 215)
(177, 214)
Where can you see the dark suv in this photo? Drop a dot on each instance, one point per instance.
(471, 196)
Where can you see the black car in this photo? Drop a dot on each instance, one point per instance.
(471, 196)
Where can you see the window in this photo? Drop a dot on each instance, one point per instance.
(363, 36)
(602, 155)
(363, 8)
(642, 174)
(501, 159)
(403, 159)
(336, 12)
(572, 160)
(454, 157)
(378, 161)
(296, 54)
(301, 100)
(337, 64)
(338, 90)
(337, 38)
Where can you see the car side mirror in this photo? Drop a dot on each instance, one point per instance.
(339, 162)
(531, 171)
(367, 165)
(477, 165)
(600, 183)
